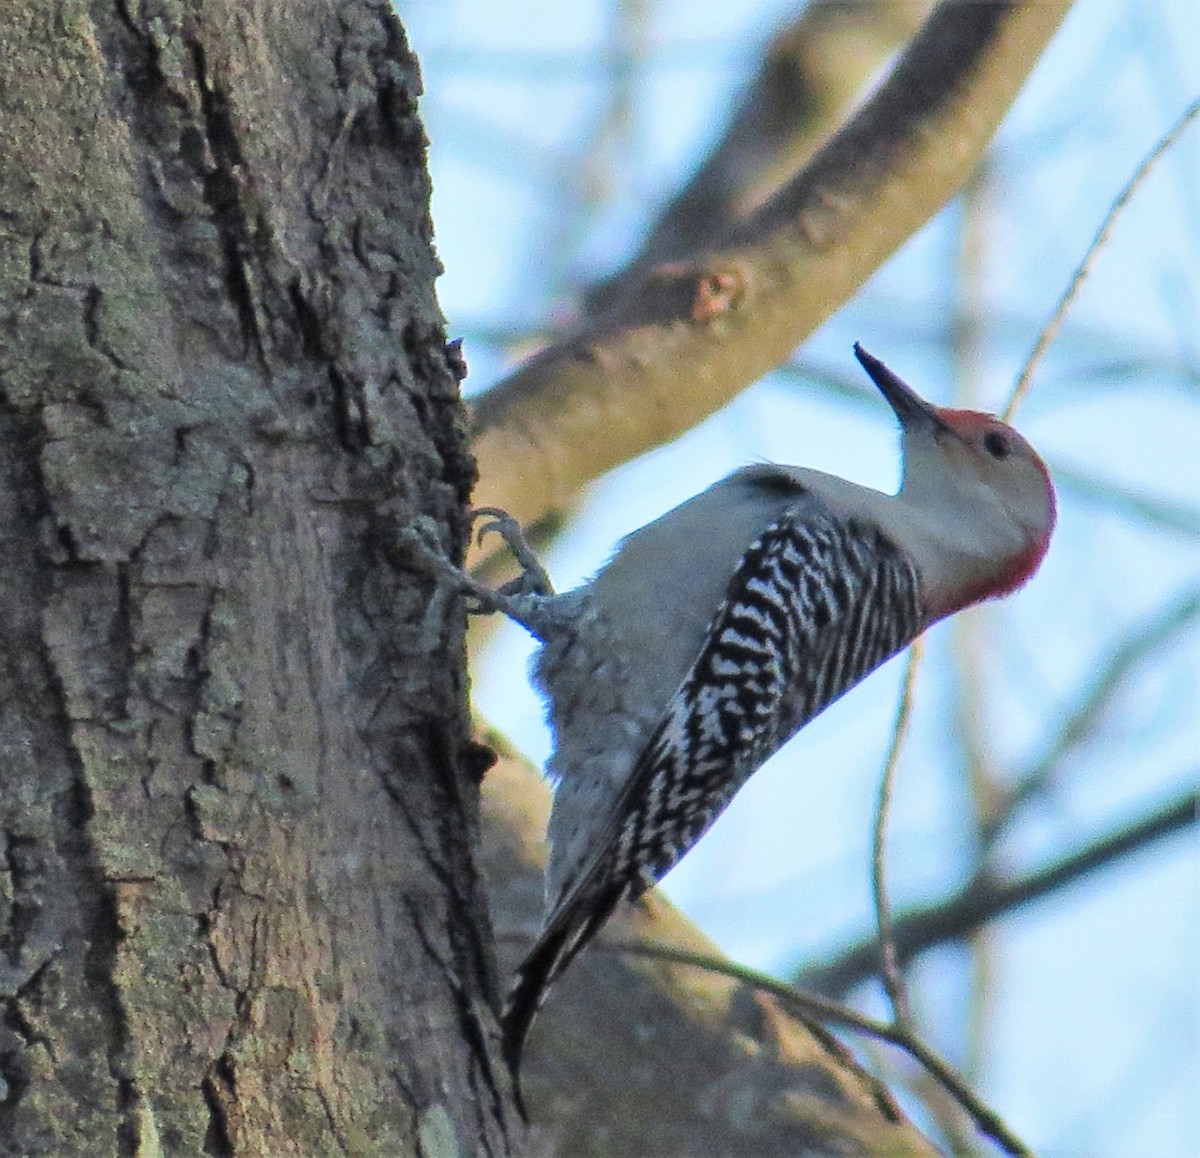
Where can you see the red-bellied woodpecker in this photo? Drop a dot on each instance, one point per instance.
(718, 631)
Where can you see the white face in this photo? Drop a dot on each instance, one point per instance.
(990, 451)
(981, 507)
(973, 455)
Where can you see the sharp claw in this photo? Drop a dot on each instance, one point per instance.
(502, 524)
(486, 529)
(533, 579)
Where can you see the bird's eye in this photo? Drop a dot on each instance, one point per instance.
(996, 444)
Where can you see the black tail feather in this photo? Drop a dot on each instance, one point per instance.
(567, 932)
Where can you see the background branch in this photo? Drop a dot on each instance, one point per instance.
(987, 899)
(1111, 675)
(811, 72)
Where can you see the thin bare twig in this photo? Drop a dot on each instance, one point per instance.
(1084, 268)
(893, 982)
(1093, 703)
(806, 1005)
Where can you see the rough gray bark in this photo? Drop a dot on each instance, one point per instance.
(237, 805)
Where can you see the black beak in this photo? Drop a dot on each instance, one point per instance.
(912, 410)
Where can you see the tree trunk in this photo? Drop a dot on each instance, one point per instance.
(241, 914)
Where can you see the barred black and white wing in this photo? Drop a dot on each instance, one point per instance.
(815, 605)
(813, 611)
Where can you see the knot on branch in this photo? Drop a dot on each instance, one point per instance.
(699, 292)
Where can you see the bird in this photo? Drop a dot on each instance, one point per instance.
(718, 631)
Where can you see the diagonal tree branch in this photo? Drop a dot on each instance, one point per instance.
(969, 910)
(692, 335)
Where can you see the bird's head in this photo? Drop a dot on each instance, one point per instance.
(987, 483)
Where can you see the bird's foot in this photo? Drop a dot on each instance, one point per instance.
(533, 579)
(519, 599)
